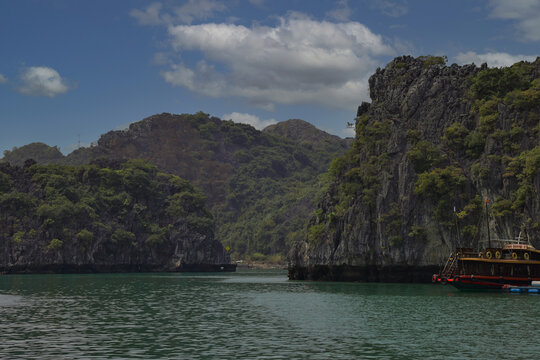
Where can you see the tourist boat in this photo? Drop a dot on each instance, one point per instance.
(510, 263)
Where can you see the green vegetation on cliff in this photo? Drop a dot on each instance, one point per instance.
(106, 213)
(506, 102)
(434, 142)
(260, 185)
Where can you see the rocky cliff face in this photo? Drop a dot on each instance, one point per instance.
(102, 218)
(434, 138)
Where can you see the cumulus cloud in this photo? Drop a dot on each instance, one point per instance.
(493, 59)
(185, 14)
(149, 16)
(3, 79)
(203, 79)
(198, 9)
(395, 8)
(252, 120)
(42, 81)
(525, 12)
(299, 61)
(342, 12)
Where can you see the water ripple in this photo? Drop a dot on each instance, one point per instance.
(256, 315)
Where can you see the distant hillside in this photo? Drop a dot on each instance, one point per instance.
(260, 186)
(301, 131)
(40, 152)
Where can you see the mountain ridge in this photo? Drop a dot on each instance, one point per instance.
(247, 175)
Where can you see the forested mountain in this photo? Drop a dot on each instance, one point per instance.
(307, 134)
(434, 138)
(105, 216)
(260, 186)
(39, 152)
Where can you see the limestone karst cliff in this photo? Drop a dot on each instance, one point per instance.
(433, 139)
(103, 217)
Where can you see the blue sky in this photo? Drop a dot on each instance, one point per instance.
(71, 68)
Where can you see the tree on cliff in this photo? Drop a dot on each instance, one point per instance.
(114, 213)
(434, 137)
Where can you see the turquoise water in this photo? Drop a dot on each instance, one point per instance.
(257, 315)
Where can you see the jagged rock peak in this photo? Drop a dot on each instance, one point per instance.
(406, 79)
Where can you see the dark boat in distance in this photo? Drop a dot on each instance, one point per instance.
(512, 263)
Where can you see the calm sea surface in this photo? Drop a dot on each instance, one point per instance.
(257, 315)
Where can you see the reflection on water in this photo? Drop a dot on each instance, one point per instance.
(256, 315)
(10, 300)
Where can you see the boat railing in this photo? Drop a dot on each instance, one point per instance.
(519, 240)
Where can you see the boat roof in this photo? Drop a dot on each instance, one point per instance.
(519, 247)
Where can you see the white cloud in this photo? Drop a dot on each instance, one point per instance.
(493, 59)
(180, 76)
(185, 14)
(348, 132)
(252, 120)
(395, 8)
(403, 46)
(3, 79)
(342, 12)
(149, 16)
(203, 79)
(42, 81)
(198, 9)
(299, 61)
(525, 12)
